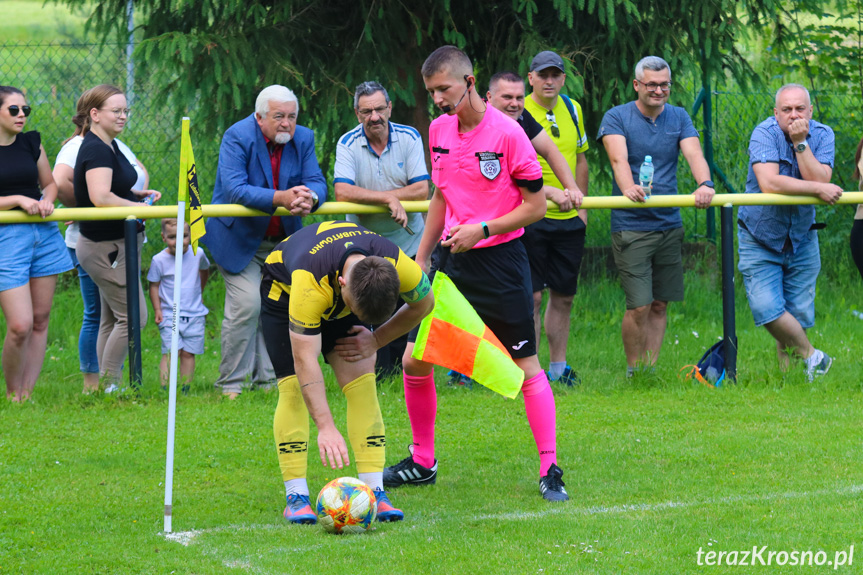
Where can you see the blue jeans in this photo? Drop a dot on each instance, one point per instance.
(779, 282)
(92, 316)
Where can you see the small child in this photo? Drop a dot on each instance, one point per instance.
(192, 312)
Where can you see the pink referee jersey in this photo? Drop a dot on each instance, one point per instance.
(479, 173)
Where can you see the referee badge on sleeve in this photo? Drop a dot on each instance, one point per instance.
(489, 164)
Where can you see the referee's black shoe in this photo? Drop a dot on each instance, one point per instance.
(551, 485)
(408, 472)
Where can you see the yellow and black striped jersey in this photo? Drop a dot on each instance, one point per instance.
(303, 271)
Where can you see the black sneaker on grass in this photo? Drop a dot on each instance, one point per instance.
(551, 485)
(408, 472)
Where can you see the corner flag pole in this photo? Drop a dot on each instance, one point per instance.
(175, 336)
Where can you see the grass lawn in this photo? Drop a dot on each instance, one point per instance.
(39, 21)
(657, 468)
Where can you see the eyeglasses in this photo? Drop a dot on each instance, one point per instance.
(652, 86)
(15, 110)
(555, 130)
(366, 112)
(118, 111)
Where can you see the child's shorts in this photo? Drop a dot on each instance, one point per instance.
(191, 334)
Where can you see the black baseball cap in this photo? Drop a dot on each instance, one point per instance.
(546, 59)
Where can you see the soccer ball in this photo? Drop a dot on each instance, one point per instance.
(346, 505)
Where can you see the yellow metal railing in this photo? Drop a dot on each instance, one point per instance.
(336, 208)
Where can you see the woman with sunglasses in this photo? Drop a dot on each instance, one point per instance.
(31, 255)
(64, 171)
(104, 177)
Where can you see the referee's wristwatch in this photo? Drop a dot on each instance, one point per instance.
(708, 183)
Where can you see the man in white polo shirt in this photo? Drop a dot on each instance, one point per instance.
(383, 163)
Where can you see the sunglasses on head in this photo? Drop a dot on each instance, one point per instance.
(555, 130)
(14, 110)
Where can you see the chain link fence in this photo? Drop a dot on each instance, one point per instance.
(54, 75)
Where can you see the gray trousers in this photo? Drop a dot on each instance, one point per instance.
(244, 355)
(98, 259)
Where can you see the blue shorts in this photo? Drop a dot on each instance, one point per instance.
(190, 335)
(779, 282)
(31, 251)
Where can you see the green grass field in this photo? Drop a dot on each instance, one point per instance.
(657, 467)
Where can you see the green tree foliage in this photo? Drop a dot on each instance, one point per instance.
(821, 42)
(212, 56)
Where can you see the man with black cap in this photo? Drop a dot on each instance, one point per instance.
(555, 244)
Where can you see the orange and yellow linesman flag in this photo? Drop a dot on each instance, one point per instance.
(454, 336)
(188, 191)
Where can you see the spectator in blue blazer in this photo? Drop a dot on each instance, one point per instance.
(266, 161)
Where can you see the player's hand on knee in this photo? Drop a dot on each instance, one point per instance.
(333, 449)
(361, 344)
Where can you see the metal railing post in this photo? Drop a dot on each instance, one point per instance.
(729, 327)
(133, 304)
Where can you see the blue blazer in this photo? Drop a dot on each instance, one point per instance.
(245, 176)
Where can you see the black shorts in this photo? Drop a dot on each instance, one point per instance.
(554, 249)
(496, 282)
(857, 244)
(275, 325)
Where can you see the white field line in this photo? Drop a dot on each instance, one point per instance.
(186, 537)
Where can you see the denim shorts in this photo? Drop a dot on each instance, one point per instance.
(190, 335)
(779, 282)
(31, 251)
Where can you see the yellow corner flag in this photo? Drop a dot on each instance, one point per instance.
(188, 191)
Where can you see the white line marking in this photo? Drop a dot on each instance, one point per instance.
(599, 510)
(186, 537)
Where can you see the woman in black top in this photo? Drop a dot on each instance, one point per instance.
(31, 255)
(104, 177)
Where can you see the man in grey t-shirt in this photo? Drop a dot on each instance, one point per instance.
(383, 163)
(647, 242)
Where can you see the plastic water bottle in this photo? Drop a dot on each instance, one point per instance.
(645, 176)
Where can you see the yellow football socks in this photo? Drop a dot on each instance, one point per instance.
(291, 429)
(365, 424)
